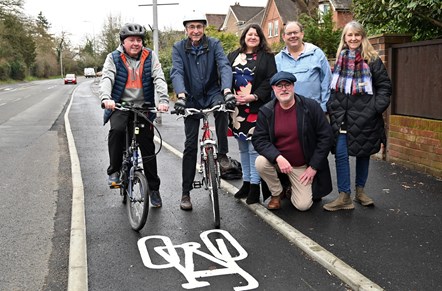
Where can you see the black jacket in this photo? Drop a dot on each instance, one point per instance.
(265, 69)
(315, 136)
(362, 114)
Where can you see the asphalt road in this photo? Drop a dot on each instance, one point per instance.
(395, 245)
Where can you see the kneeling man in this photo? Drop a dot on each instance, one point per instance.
(293, 137)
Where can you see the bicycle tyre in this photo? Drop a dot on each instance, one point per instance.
(213, 187)
(138, 205)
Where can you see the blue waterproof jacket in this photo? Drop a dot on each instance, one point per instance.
(201, 73)
(312, 72)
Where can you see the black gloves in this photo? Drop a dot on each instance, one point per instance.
(180, 106)
(230, 100)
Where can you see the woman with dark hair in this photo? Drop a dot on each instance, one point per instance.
(253, 64)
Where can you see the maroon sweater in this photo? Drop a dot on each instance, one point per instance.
(286, 134)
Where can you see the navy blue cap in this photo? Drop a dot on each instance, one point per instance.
(282, 76)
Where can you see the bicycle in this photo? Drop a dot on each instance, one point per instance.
(209, 166)
(134, 187)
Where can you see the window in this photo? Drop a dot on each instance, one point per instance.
(323, 9)
(270, 24)
(276, 28)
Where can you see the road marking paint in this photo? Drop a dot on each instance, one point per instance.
(219, 254)
(77, 277)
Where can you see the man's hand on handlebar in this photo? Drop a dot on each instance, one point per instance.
(180, 106)
(163, 107)
(230, 100)
(108, 104)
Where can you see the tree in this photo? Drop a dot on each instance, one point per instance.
(421, 18)
(321, 32)
(228, 40)
(11, 7)
(18, 46)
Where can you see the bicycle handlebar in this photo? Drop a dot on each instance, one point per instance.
(192, 111)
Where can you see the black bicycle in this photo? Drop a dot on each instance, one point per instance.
(134, 187)
(209, 166)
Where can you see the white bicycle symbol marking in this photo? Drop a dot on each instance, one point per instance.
(219, 255)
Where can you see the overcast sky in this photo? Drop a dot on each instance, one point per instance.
(80, 18)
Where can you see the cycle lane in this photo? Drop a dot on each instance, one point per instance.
(114, 261)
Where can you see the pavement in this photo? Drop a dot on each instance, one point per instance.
(395, 245)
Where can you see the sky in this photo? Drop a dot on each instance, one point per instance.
(86, 18)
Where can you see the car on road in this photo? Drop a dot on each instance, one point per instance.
(70, 79)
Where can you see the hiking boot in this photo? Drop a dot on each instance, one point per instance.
(155, 198)
(185, 203)
(342, 202)
(362, 198)
(274, 203)
(114, 180)
(243, 191)
(223, 161)
(254, 193)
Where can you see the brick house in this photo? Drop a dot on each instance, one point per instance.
(216, 20)
(239, 16)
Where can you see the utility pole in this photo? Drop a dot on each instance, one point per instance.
(155, 35)
(155, 21)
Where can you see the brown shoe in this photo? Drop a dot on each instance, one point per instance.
(274, 203)
(185, 203)
(362, 198)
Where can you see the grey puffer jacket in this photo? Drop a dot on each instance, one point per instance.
(362, 114)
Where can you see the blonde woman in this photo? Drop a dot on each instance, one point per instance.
(360, 93)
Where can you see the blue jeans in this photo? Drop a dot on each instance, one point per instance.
(248, 155)
(343, 166)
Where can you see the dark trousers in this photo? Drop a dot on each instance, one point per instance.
(192, 129)
(117, 142)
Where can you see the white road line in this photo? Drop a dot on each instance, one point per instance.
(77, 278)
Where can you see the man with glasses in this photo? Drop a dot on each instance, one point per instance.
(292, 136)
(307, 62)
(201, 77)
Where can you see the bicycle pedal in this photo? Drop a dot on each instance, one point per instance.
(197, 184)
(115, 186)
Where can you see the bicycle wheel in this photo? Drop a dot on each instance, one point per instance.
(213, 187)
(138, 204)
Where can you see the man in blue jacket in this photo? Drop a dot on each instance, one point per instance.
(201, 77)
(307, 62)
(292, 136)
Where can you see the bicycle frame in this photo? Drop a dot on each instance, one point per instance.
(209, 166)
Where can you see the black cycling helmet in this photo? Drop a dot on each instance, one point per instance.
(132, 29)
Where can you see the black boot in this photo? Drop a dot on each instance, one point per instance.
(243, 191)
(265, 190)
(254, 194)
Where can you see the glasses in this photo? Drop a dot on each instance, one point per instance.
(292, 33)
(286, 86)
(193, 27)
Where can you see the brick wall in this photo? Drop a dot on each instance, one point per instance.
(416, 143)
(412, 142)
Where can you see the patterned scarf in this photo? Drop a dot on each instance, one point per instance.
(351, 74)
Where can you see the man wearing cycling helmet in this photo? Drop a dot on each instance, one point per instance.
(201, 77)
(133, 74)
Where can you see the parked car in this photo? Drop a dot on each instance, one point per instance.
(70, 79)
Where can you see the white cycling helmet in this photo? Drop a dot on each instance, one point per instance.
(195, 16)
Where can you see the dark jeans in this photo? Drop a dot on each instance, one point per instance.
(343, 166)
(192, 129)
(117, 141)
